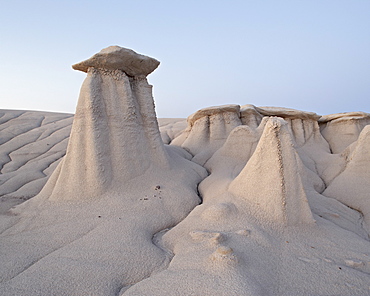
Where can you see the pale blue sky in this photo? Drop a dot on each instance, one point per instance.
(312, 55)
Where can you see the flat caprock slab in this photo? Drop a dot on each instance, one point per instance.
(119, 58)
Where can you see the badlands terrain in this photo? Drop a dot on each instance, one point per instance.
(233, 200)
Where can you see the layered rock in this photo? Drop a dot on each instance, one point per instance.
(257, 217)
(119, 58)
(250, 116)
(208, 130)
(342, 129)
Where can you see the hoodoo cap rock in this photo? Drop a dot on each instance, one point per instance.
(119, 58)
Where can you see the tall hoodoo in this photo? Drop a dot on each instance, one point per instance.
(115, 135)
(117, 186)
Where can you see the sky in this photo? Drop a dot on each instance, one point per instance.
(311, 55)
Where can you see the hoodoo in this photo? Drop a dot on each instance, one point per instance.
(115, 135)
(208, 130)
(116, 171)
(342, 129)
(285, 208)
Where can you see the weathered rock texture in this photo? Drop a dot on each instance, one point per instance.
(32, 145)
(207, 131)
(285, 207)
(119, 58)
(84, 233)
(271, 182)
(114, 123)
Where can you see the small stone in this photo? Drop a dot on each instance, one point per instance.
(243, 232)
(212, 237)
(224, 255)
(224, 250)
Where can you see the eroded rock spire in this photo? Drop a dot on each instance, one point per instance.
(115, 135)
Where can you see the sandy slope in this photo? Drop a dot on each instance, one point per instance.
(244, 201)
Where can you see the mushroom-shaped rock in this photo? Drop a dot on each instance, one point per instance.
(344, 116)
(115, 136)
(208, 130)
(119, 58)
(302, 124)
(287, 113)
(115, 157)
(342, 129)
(210, 111)
(250, 116)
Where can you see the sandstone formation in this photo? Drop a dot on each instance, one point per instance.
(34, 142)
(342, 129)
(90, 211)
(352, 186)
(270, 182)
(207, 131)
(284, 208)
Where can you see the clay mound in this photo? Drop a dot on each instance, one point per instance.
(270, 182)
(352, 186)
(287, 113)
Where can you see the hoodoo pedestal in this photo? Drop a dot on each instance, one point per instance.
(115, 135)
